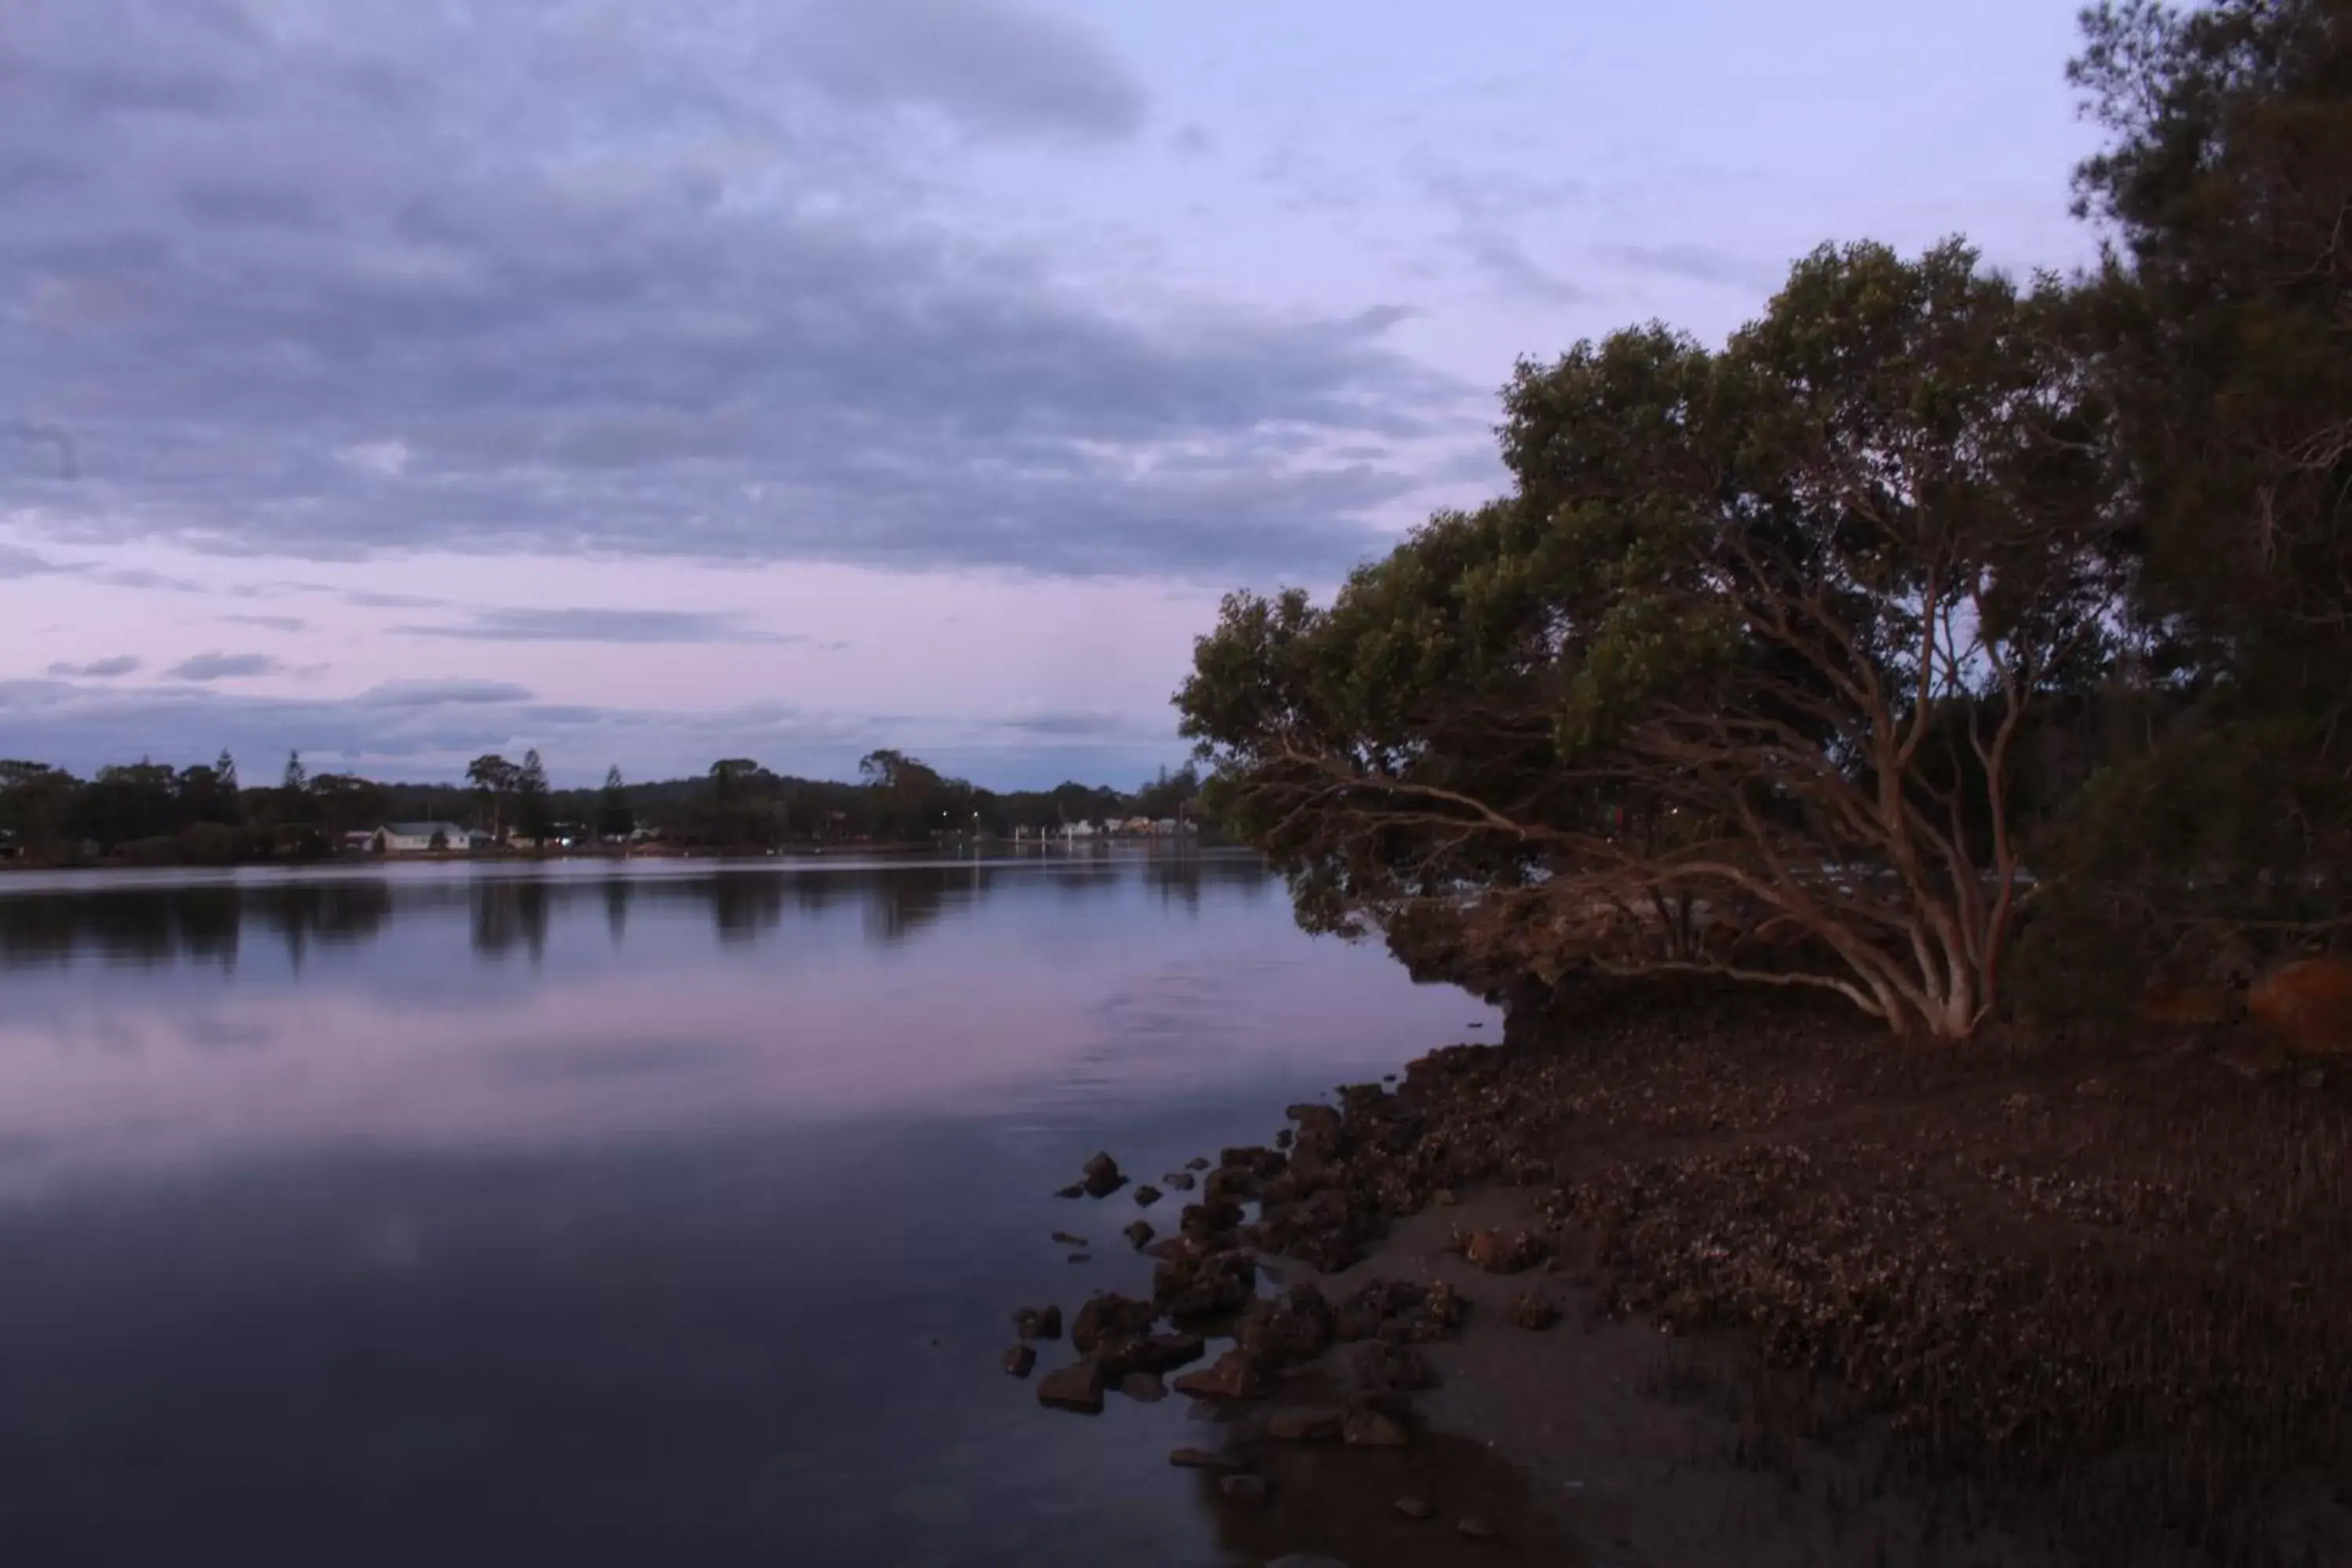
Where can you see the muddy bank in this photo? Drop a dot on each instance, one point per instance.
(1812, 1298)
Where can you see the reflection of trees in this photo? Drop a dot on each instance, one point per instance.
(745, 903)
(510, 910)
(330, 914)
(617, 890)
(203, 923)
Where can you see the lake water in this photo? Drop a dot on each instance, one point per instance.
(671, 1212)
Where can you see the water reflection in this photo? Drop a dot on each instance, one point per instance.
(602, 1215)
(109, 919)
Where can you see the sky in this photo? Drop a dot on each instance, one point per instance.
(645, 381)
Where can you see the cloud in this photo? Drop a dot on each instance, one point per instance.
(120, 665)
(598, 624)
(1506, 264)
(56, 436)
(1701, 264)
(269, 622)
(18, 563)
(224, 667)
(436, 693)
(374, 600)
(992, 65)
(597, 280)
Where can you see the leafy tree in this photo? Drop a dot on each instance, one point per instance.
(1733, 682)
(613, 817)
(2223, 317)
(531, 813)
(494, 780)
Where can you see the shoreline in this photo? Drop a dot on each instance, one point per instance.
(1823, 1298)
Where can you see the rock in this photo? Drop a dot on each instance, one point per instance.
(1379, 1367)
(1146, 1196)
(1285, 1330)
(1368, 1428)
(1282, 1140)
(1109, 1315)
(1078, 1386)
(1181, 1181)
(1148, 1352)
(1262, 1164)
(1140, 1235)
(1203, 1221)
(1202, 1459)
(1200, 1284)
(1197, 1163)
(2307, 1004)
(1532, 1312)
(1143, 1387)
(1082, 1257)
(1019, 1360)
(1232, 1375)
(1102, 1176)
(1413, 1508)
(1306, 1423)
(1476, 1529)
(1038, 1322)
(1505, 1252)
(1066, 1239)
(1243, 1488)
(1446, 1199)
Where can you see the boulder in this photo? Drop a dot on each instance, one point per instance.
(1066, 1239)
(1505, 1252)
(1143, 1387)
(1038, 1322)
(1232, 1375)
(1203, 1284)
(1078, 1386)
(1145, 1196)
(1285, 1330)
(1379, 1367)
(1369, 1429)
(2307, 1004)
(1102, 1176)
(1074, 1190)
(1108, 1315)
(1243, 1488)
(1138, 1235)
(1019, 1360)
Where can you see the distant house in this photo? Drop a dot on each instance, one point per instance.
(421, 838)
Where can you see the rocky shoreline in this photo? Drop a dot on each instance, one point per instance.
(2021, 1300)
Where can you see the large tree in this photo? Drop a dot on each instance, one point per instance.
(2223, 313)
(1734, 681)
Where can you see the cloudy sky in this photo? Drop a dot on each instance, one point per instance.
(646, 381)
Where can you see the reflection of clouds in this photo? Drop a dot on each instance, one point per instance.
(1041, 991)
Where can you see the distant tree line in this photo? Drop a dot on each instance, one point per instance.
(1939, 642)
(151, 812)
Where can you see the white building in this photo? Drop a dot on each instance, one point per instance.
(421, 838)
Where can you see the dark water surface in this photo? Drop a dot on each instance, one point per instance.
(664, 1214)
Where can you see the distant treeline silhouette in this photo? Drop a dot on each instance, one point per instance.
(148, 813)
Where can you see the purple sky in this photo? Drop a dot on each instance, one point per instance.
(645, 383)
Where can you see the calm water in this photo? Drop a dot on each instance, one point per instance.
(656, 1215)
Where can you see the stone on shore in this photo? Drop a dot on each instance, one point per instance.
(1078, 1386)
(1108, 1315)
(1232, 1375)
(1066, 1239)
(1038, 1322)
(1102, 1176)
(1145, 1196)
(1074, 1190)
(1367, 1428)
(1413, 1508)
(1143, 1387)
(1532, 1311)
(1139, 1234)
(1243, 1488)
(1505, 1252)
(1476, 1529)
(1197, 1163)
(1019, 1360)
